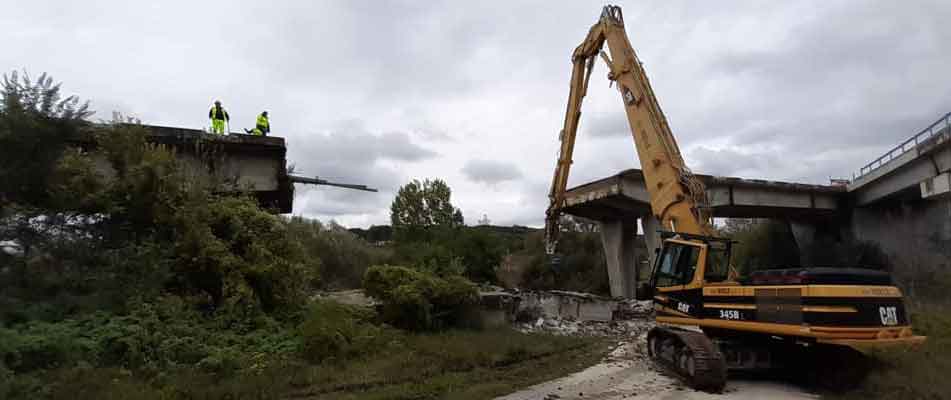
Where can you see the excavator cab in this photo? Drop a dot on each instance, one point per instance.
(687, 262)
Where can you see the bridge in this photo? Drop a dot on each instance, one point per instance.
(234, 163)
(919, 165)
(620, 201)
(900, 201)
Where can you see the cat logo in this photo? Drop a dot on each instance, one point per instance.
(888, 315)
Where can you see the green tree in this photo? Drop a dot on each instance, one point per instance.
(419, 207)
(146, 226)
(35, 124)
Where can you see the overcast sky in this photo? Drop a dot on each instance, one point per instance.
(474, 93)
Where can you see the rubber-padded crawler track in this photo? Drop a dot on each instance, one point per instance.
(671, 346)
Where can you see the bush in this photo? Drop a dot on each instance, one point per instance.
(240, 256)
(582, 268)
(335, 331)
(39, 349)
(343, 256)
(162, 335)
(417, 300)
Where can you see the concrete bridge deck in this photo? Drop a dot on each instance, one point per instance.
(625, 196)
(238, 162)
(920, 165)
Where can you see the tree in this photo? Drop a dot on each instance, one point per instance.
(419, 207)
(35, 124)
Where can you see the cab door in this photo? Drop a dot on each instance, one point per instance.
(677, 291)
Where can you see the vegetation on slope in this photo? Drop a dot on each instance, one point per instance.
(144, 283)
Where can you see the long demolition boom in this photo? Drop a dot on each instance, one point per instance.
(677, 198)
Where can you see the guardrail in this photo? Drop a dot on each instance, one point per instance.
(942, 123)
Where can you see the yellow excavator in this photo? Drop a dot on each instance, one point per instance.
(710, 320)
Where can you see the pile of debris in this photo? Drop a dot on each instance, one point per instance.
(555, 312)
(626, 309)
(582, 314)
(572, 327)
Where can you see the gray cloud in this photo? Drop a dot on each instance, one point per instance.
(490, 171)
(352, 142)
(610, 124)
(352, 154)
(729, 162)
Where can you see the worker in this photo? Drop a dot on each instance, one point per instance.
(218, 117)
(263, 125)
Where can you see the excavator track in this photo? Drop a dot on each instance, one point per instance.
(691, 355)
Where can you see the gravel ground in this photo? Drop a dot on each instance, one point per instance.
(628, 373)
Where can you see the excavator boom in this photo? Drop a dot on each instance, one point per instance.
(677, 198)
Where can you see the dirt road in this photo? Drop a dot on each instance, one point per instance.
(627, 373)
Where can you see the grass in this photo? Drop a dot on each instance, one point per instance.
(454, 364)
(457, 365)
(912, 374)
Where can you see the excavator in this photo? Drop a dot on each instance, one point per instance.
(709, 319)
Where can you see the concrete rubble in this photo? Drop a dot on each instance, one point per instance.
(583, 314)
(572, 327)
(556, 312)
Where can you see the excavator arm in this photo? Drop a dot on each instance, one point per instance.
(677, 198)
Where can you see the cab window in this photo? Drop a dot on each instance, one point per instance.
(677, 264)
(718, 262)
(666, 274)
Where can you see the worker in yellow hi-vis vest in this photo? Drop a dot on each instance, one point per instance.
(218, 117)
(262, 126)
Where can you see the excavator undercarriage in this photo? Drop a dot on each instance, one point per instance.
(691, 355)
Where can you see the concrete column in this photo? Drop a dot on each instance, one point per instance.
(617, 237)
(805, 236)
(650, 225)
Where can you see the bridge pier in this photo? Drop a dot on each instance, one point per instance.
(913, 233)
(618, 239)
(628, 262)
(651, 227)
(805, 235)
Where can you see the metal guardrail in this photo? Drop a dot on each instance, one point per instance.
(927, 133)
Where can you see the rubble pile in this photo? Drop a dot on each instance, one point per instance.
(633, 309)
(572, 327)
(582, 314)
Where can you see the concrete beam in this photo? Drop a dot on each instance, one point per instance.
(935, 188)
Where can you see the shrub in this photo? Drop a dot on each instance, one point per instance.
(417, 300)
(37, 350)
(343, 256)
(240, 257)
(336, 331)
(582, 268)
